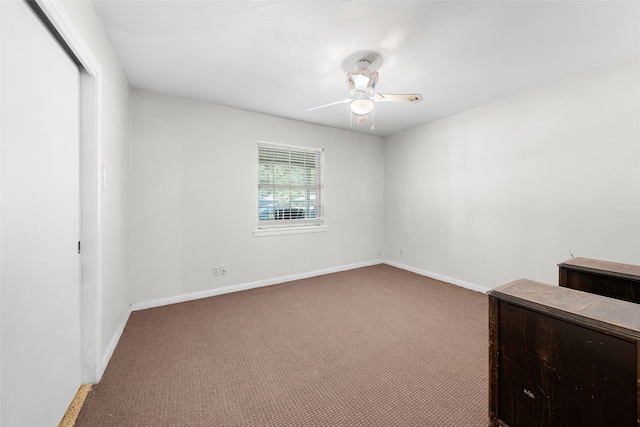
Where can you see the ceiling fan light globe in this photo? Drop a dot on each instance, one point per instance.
(360, 81)
(361, 107)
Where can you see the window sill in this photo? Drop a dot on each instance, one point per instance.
(265, 232)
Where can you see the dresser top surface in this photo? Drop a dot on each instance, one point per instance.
(628, 271)
(571, 303)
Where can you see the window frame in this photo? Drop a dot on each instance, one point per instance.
(286, 224)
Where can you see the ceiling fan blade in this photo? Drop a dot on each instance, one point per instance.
(344, 101)
(412, 98)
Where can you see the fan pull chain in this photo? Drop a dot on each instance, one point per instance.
(372, 126)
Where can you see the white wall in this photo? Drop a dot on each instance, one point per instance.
(510, 189)
(113, 133)
(40, 212)
(194, 198)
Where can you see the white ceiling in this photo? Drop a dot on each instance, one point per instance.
(280, 57)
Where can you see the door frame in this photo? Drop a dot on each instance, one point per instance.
(90, 189)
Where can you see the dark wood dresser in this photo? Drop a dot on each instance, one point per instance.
(611, 279)
(561, 357)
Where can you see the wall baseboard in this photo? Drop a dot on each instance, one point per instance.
(113, 343)
(245, 286)
(440, 277)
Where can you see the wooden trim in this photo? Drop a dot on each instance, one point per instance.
(70, 417)
(606, 268)
(563, 276)
(614, 317)
(638, 383)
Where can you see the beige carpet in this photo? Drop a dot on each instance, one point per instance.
(376, 346)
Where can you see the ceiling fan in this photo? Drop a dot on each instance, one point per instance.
(362, 87)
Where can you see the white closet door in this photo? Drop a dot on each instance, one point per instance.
(39, 216)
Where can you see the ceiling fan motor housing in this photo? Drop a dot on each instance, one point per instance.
(363, 80)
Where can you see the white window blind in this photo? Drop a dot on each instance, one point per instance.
(289, 186)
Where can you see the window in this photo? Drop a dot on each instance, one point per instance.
(289, 186)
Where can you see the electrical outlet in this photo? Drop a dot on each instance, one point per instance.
(223, 271)
(216, 271)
